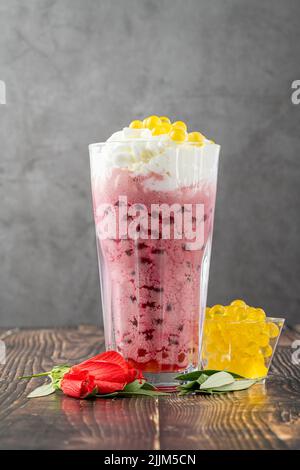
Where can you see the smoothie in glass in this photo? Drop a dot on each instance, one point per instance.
(154, 198)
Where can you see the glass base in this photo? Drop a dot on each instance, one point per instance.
(165, 381)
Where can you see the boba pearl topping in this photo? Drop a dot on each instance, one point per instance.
(176, 131)
(164, 152)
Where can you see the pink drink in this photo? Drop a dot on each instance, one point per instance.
(154, 289)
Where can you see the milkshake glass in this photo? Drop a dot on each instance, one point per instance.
(154, 203)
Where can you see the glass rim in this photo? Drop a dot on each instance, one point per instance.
(131, 141)
(271, 319)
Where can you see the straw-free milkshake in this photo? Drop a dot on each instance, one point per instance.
(154, 197)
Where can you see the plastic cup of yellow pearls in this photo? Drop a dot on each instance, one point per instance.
(239, 338)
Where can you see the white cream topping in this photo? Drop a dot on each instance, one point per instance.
(176, 164)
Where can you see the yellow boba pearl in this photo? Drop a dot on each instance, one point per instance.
(196, 137)
(210, 348)
(179, 125)
(241, 313)
(165, 119)
(217, 310)
(263, 340)
(161, 129)
(238, 303)
(260, 314)
(179, 135)
(233, 313)
(208, 315)
(267, 351)
(213, 364)
(256, 370)
(136, 124)
(222, 346)
(230, 311)
(273, 330)
(252, 349)
(251, 313)
(151, 122)
(260, 358)
(207, 312)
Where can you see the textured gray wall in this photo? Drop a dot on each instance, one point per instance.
(77, 70)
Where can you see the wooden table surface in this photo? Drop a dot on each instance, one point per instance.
(263, 417)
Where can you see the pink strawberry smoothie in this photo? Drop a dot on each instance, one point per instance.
(151, 287)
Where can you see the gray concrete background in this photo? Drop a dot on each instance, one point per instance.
(77, 70)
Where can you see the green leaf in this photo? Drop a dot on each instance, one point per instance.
(217, 380)
(42, 391)
(149, 393)
(134, 386)
(202, 392)
(134, 390)
(107, 395)
(202, 379)
(193, 384)
(215, 383)
(184, 392)
(235, 386)
(190, 385)
(148, 386)
(209, 391)
(138, 385)
(197, 373)
(191, 376)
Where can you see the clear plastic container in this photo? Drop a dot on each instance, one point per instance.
(245, 347)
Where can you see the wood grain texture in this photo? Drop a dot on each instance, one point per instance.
(263, 417)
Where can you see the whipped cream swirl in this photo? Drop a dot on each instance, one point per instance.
(138, 151)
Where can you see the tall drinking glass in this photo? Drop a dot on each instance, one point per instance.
(154, 222)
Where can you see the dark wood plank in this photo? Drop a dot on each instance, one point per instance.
(264, 417)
